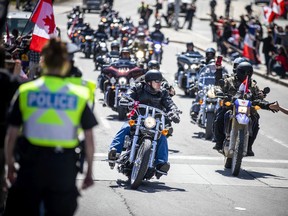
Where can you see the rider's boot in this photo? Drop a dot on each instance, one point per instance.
(162, 169)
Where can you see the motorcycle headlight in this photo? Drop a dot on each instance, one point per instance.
(112, 80)
(122, 81)
(88, 37)
(211, 94)
(102, 45)
(150, 122)
(157, 47)
(132, 82)
(194, 66)
(139, 54)
(186, 66)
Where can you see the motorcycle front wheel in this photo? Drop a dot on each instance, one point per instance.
(238, 153)
(140, 164)
(209, 125)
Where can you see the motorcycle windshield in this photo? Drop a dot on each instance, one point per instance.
(206, 81)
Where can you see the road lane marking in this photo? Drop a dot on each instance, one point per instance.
(274, 139)
(206, 158)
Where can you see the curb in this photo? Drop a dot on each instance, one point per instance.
(257, 72)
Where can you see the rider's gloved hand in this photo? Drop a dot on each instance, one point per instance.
(175, 118)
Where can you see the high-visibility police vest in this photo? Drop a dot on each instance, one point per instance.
(51, 109)
(88, 83)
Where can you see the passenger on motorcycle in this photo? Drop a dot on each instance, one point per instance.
(148, 92)
(230, 87)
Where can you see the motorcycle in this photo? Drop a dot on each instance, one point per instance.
(99, 49)
(137, 160)
(118, 80)
(237, 131)
(207, 100)
(157, 50)
(189, 65)
(88, 46)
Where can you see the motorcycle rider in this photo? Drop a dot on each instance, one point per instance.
(148, 92)
(140, 43)
(100, 33)
(157, 35)
(230, 87)
(210, 54)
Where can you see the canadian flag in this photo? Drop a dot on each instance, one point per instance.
(269, 15)
(244, 87)
(278, 7)
(45, 27)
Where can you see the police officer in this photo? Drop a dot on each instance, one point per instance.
(50, 110)
(148, 92)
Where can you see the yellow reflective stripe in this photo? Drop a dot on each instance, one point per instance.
(53, 143)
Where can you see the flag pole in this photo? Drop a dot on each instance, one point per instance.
(30, 16)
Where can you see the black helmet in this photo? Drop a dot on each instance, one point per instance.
(101, 26)
(157, 25)
(115, 43)
(141, 21)
(153, 64)
(153, 75)
(125, 53)
(190, 44)
(237, 61)
(244, 69)
(210, 53)
(141, 35)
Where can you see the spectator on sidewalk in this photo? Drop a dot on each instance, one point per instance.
(148, 14)
(281, 67)
(190, 13)
(213, 20)
(227, 8)
(268, 48)
(142, 10)
(284, 37)
(213, 4)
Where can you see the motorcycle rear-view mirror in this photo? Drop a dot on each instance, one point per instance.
(266, 90)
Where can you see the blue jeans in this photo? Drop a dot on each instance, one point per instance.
(162, 147)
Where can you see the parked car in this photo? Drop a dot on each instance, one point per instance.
(91, 5)
(262, 2)
(20, 20)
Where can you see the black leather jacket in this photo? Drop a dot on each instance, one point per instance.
(146, 95)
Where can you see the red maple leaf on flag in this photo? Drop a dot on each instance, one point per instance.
(50, 23)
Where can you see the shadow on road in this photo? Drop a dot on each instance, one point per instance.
(148, 187)
(250, 175)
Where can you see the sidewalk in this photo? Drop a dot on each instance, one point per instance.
(202, 42)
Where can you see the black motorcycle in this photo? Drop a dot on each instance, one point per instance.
(189, 65)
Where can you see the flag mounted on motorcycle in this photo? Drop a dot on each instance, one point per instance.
(45, 27)
(244, 87)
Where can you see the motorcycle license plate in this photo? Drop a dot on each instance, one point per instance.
(242, 109)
